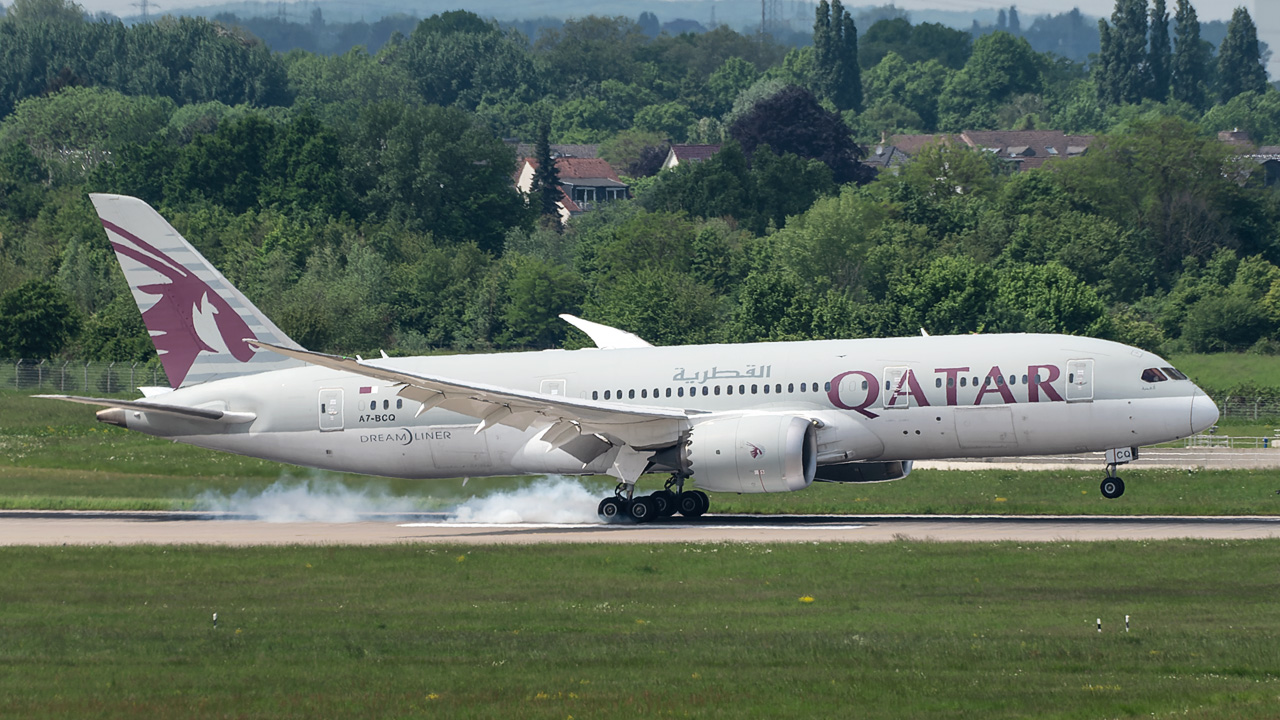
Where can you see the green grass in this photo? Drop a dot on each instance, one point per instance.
(703, 631)
(1227, 370)
(55, 456)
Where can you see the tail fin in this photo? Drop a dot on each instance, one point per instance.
(198, 321)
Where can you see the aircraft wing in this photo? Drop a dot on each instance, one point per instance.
(182, 411)
(565, 418)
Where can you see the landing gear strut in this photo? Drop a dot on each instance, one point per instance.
(1113, 486)
(625, 506)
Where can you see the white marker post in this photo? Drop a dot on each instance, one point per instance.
(1099, 624)
(1126, 623)
(215, 621)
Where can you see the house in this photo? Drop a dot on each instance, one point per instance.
(1025, 149)
(883, 157)
(1267, 156)
(688, 154)
(584, 183)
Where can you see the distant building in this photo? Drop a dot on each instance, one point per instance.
(584, 183)
(688, 153)
(883, 156)
(1025, 149)
(1266, 156)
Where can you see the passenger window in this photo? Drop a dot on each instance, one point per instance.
(1013, 379)
(706, 390)
(717, 389)
(644, 393)
(766, 389)
(742, 389)
(595, 394)
(802, 387)
(655, 392)
(373, 404)
(399, 404)
(728, 389)
(606, 394)
(631, 394)
(964, 382)
(1024, 379)
(937, 382)
(386, 404)
(755, 389)
(827, 387)
(668, 392)
(791, 387)
(864, 384)
(951, 382)
(680, 391)
(778, 388)
(999, 381)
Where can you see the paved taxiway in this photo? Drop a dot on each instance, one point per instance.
(155, 528)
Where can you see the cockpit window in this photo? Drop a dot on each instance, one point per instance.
(1153, 375)
(1175, 374)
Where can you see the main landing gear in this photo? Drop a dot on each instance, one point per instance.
(624, 506)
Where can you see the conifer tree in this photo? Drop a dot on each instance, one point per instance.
(1159, 55)
(546, 179)
(1122, 71)
(1015, 25)
(1190, 59)
(1239, 61)
(1002, 20)
(835, 56)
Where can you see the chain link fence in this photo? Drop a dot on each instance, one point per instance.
(77, 376)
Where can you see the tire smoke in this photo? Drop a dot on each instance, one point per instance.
(553, 499)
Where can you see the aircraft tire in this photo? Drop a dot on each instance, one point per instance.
(706, 501)
(643, 509)
(1112, 488)
(612, 509)
(690, 505)
(666, 501)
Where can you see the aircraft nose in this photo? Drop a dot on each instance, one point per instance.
(1204, 413)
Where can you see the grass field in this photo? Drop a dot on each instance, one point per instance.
(1225, 370)
(703, 631)
(55, 456)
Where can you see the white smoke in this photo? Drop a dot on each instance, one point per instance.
(549, 500)
(289, 500)
(318, 500)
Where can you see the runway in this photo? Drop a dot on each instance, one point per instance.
(166, 528)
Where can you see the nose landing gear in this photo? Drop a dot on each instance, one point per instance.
(1113, 486)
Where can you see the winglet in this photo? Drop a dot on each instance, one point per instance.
(605, 337)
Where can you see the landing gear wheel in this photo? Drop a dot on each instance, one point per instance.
(1112, 488)
(691, 505)
(643, 509)
(706, 501)
(666, 502)
(612, 509)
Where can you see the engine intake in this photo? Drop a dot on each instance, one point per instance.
(754, 453)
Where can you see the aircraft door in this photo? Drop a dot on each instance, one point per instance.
(1079, 380)
(552, 387)
(331, 409)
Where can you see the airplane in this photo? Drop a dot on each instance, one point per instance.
(737, 418)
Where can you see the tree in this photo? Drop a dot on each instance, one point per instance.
(1001, 67)
(1015, 25)
(792, 121)
(1048, 299)
(1159, 55)
(546, 179)
(36, 320)
(1240, 68)
(918, 43)
(1122, 72)
(536, 295)
(835, 42)
(1190, 59)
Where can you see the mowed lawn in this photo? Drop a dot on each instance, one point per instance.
(701, 631)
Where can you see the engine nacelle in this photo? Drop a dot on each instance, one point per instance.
(753, 453)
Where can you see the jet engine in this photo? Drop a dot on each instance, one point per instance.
(753, 453)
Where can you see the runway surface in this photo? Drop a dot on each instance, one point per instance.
(163, 528)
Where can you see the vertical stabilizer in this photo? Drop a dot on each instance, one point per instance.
(198, 321)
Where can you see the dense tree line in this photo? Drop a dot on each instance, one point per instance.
(364, 200)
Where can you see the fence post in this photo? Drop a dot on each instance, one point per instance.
(111, 370)
(1255, 408)
(62, 381)
(132, 367)
(40, 374)
(86, 376)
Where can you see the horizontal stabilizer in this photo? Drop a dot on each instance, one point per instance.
(182, 411)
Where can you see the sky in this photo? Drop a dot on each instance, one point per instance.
(1206, 9)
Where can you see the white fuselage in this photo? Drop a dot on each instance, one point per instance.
(877, 400)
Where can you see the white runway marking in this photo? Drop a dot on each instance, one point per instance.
(602, 526)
